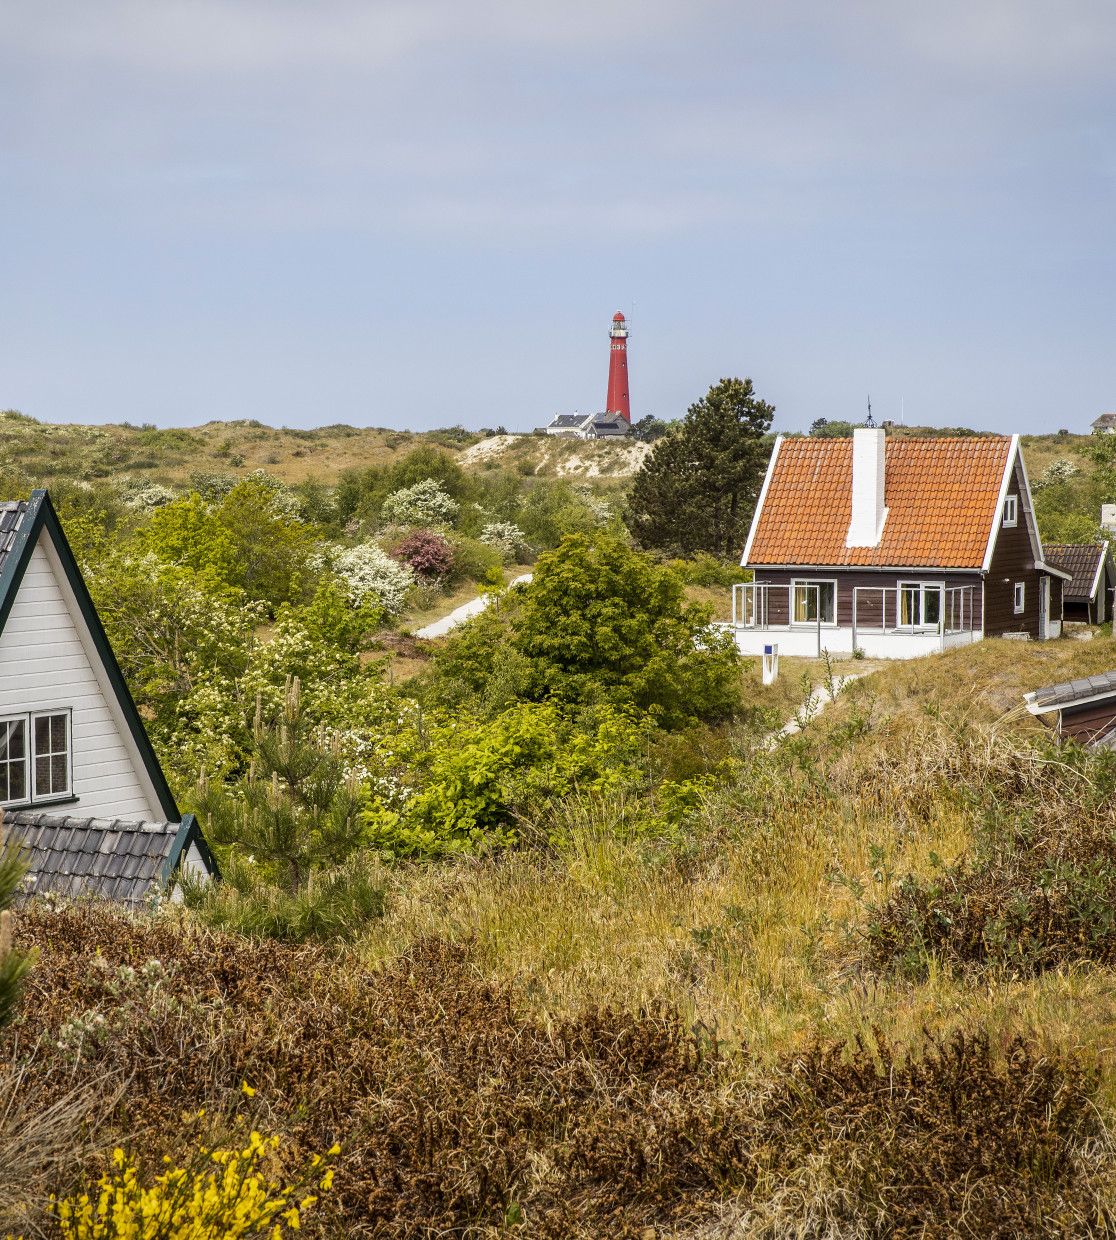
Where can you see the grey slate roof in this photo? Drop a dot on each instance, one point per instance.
(104, 857)
(11, 515)
(570, 421)
(1081, 561)
(1054, 696)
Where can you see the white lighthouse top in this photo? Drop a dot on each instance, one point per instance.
(619, 325)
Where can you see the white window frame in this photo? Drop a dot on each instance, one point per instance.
(21, 718)
(814, 581)
(68, 792)
(1019, 598)
(923, 588)
(28, 719)
(1011, 511)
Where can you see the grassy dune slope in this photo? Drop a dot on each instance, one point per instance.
(53, 452)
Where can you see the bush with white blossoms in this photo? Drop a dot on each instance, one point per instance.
(423, 504)
(369, 573)
(1057, 471)
(507, 538)
(137, 493)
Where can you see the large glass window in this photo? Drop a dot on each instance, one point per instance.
(920, 605)
(814, 600)
(35, 757)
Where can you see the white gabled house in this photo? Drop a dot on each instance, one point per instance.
(80, 785)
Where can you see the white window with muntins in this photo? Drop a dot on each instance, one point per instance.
(13, 760)
(35, 758)
(814, 601)
(1020, 597)
(1011, 510)
(920, 605)
(50, 743)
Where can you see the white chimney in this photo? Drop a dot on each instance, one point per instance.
(868, 511)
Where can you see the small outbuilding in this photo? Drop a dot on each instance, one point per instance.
(1087, 596)
(1085, 709)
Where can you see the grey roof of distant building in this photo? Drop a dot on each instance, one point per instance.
(104, 857)
(571, 420)
(1071, 692)
(1105, 419)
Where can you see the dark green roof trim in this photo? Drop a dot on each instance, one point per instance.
(188, 833)
(41, 515)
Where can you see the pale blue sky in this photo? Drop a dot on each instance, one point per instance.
(425, 212)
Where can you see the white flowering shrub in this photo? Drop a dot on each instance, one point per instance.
(1057, 471)
(423, 504)
(284, 503)
(138, 494)
(507, 538)
(370, 574)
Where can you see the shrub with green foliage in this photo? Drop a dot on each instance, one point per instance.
(602, 622)
(481, 780)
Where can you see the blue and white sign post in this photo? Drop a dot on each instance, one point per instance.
(770, 663)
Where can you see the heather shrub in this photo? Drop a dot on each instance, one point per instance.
(427, 554)
(456, 1114)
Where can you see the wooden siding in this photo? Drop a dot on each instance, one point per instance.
(44, 666)
(868, 610)
(1085, 723)
(1013, 560)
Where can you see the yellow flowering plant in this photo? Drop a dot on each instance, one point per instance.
(224, 1194)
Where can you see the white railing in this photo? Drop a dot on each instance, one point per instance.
(761, 605)
(768, 607)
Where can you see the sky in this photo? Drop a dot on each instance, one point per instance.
(425, 212)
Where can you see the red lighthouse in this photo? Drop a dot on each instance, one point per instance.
(617, 401)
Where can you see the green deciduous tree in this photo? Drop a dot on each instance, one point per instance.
(697, 489)
(602, 622)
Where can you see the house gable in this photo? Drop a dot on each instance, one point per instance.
(54, 655)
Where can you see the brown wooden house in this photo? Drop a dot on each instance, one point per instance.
(894, 546)
(1087, 596)
(1085, 709)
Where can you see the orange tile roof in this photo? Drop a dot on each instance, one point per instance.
(941, 496)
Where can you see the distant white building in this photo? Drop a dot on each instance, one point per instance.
(589, 425)
(1105, 424)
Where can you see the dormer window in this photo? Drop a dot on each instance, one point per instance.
(1011, 511)
(35, 754)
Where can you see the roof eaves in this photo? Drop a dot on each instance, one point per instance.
(45, 517)
(1005, 481)
(1102, 560)
(1054, 572)
(762, 496)
(17, 559)
(188, 833)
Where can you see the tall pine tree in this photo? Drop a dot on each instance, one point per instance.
(290, 838)
(697, 489)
